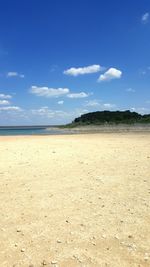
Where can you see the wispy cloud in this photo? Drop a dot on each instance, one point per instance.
(10, 108)
(130, 90)
(144, 71)
(4, 102)
(78, 95)
(61, 102)
(3, 96)
(145, 18)
(83, 70)
(109, 105)
(99, 104)
(55, 116)
(110, 74)
(92, 103)
(48, 92)
(141, 110)
(15, 74)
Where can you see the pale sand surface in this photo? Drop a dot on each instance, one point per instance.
(80, 200)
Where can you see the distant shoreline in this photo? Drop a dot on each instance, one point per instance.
(107, 128)
(63, 130)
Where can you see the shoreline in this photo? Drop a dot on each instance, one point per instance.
(54, 131)
(75, 134)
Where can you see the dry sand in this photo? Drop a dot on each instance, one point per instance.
(77, 200)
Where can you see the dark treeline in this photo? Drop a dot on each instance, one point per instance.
(111, 117)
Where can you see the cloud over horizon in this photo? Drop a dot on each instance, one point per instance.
(83, 70)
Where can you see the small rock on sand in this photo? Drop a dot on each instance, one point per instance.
(53, 262)
(44, 263)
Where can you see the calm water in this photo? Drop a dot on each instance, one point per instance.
(30, 131)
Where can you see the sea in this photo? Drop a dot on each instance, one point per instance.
(30, 130)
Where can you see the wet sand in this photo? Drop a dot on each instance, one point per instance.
(75, 200)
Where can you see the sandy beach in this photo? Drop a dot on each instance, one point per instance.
(75, 200)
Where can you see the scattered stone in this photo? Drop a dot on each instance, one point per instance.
(18, 230)
(131, 247)
(59, 241)
(103, 236)
(130, 236)
(53, 262)
(146, 257)
(75, 257)
(93, 243)
(16, 245)
(22, 250)
(44, 263)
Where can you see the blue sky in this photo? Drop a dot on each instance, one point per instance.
(62, 58)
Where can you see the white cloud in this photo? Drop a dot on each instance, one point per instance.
(83, 70)
(78, 95)
(45, 112)
(109, 105)
(99, 104)
(3, 96)
(141, 110)
(130, 90)
(48, 92)
(57, 115)
(92, 103)
(145, 18)
(61, 102)
(21, 75)
(15, 74)
(10, 108)
(110, 74)
(4, 102)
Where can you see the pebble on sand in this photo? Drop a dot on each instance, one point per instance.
(53, 262)
(44, 263)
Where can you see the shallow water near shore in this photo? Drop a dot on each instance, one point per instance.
(29, 131)
(56, 130)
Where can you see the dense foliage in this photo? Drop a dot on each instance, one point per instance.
(111, 117)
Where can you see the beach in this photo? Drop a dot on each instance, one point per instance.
(75, 200)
